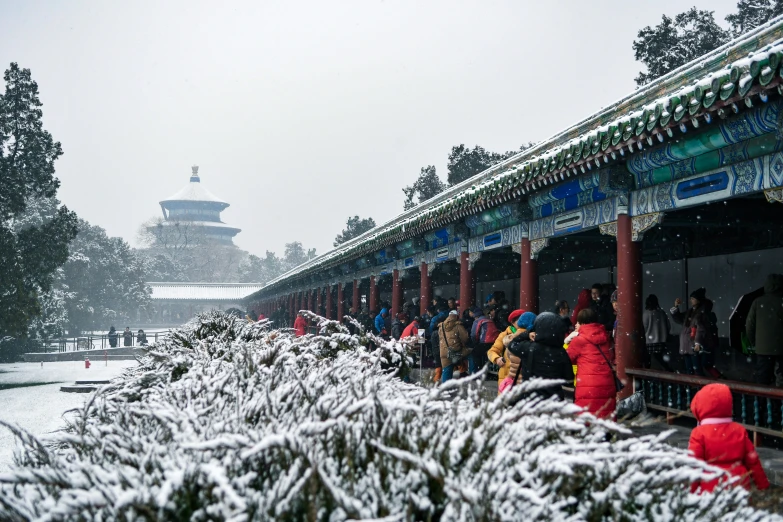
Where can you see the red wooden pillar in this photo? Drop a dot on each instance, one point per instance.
(467, 283)
(630, 333)
(318, 302)
(340, 302)
(328, 313)
(396, 293)
(355, 301)
(528, 279)
(373, 294)
(426, 289)
(310, 300)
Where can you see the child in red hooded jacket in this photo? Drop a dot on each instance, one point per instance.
(721, 442)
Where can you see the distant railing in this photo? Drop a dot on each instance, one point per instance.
(97, 342)
(758, 408)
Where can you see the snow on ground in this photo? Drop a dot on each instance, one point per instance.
(39, 409)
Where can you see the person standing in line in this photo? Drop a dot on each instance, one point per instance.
(544, 357)
(695, 336)
(656, 333)
(563, 310)
(483, 334)
(600, 305)
(764, 327)
(380, 323)
(583, 301)
(453, 345)
(593, 356)
(127, 337)
(398, 325)
(412, 330)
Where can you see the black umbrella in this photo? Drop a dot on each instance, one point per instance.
(738, 317)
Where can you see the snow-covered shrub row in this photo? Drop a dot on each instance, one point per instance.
(226, 420)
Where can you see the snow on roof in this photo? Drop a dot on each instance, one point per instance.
(533, 167)
(195, 191)
(202, 291)
(213, 224)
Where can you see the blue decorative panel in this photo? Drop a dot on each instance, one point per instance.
(741, 178)
(701, 185)
(502, 238)
(583, 218)
(774, 176)
(409, 262)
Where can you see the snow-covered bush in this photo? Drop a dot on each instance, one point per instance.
(226, 420)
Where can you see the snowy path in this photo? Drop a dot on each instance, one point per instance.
(39, 408)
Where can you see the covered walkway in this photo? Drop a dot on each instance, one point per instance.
(675, 187)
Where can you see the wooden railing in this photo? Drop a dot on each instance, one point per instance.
(758, 408)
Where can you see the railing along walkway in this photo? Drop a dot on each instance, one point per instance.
(758, 408)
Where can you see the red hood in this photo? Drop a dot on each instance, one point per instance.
(595, 333)
(582, 302)
(712, 401)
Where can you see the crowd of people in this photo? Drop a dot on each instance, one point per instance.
(577, 346)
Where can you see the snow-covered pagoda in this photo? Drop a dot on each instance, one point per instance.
(197, 207)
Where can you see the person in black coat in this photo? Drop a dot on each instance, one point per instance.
(544, 356)
(602, 306)
(113, 337)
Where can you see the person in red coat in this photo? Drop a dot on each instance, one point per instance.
(721, 442)
(300, 325)
(412, 330)
(592, 354)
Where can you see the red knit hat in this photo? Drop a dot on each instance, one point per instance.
(513, 316)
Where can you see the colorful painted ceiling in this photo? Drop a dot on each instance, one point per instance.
(696, 96)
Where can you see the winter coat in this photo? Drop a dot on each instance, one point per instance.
(545, 357)
(721, 442)
(113, 338)
(141, 339)
(695, 327)
(380, 322)
(127, 337)
(764, 324)
(300, 326)
(595, 386)
(656, 326)
(452, 337)
(439, 317)
(412, 330)
(484, 330)
(498, 350)
(606, 316)
(396, 328)
(582, 302)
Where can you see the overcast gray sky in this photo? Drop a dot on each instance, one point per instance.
(300, 114)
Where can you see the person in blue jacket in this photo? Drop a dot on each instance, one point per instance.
(443, 313)
(380, 321)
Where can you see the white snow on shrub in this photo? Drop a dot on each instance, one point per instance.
(226, 420)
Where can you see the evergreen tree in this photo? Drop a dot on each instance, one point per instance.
(103, 281)
(427, 186)
(675, 42)
(295, 255)
(30, 250)
(464, 163)
(753, 13)
(354, 227)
